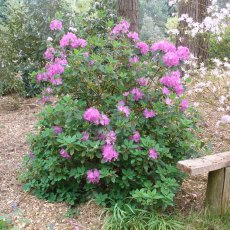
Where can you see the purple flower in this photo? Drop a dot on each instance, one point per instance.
(137, 94)
(173, 80)
(40, 77)
(184, 105)
(153, 153)
(165, 91)
(61, 61)
(149, 113)
(110, 138)
(86, 54)
(56, 25)
(85, 136)
(163, 46)
(31, 155)
(109, 153)
(54, 69)
(56, 81)
(171, 59)
(136, 137)
(121, 103)
(122, 27)
(92, 115)
(93, 176)
(126, 94)
(124, 109)
(80, 43)
(183, 53)
(104, 120)
(179, 90)
(49, 53)
(57, 130)
(134, 59)
(69, 39)
(64, 154)
(175, 74)
(142, 81)
(48, 90)
(144, 48)
(45, 99)
(91, 62)
(134, 36)
(168, 101)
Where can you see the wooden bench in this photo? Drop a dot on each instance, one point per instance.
(218, 188)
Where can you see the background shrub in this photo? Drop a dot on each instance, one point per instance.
(220, 49)
(24, 29)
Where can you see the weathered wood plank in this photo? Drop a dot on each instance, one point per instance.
(226, 191)
(214, 191)
(205, 164)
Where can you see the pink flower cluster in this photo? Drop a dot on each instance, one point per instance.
(172, 55)
(171, 59)
(70, 39)
(109, 153)
(85, 136)
(45, 99)
(110, 138)
(134, 59)
(172, 80)
(56, 67)
(93, 176)
(142, 81)
(134, 36)
(122, 27)
(149, 113)
(153, 154)
(168, 101)
(53, 70)
(183, 53)
(165, 91)
(64, 154)
(48, 90)
(124, 109)
(57, 130)
(163, 46)
(137, 94)
(104, 120)
(92, 115)
(184, 105)
(136, 137)
(60, 61)
(144, 48)
(49, 53)
(56, 25)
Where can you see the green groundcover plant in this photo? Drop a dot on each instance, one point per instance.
(120, 125)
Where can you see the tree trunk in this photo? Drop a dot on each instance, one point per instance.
(130, 10)
(198, 45)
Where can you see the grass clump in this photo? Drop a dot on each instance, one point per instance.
(128, 218)
(206, 221)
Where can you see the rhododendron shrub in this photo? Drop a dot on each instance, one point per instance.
(119, 127)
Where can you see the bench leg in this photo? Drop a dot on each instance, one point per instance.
(218, 191)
